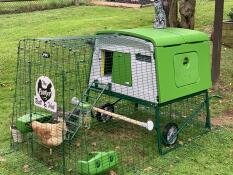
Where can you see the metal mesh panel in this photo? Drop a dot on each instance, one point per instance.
(78, 140)
(188, 114)
(66, 66)
(61, 60)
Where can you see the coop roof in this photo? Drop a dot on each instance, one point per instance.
(163, 37)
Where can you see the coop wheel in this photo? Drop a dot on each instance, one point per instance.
(169, 131)
(103, 117)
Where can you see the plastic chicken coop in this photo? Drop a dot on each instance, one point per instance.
(90, 105)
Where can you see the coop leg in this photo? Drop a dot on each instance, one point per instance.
(158, 129)
(63, 111)
(30, 98)
(50, 151)
(87, 97)
(208, 118)
(136, 106)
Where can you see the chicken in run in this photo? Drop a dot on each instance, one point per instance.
(50, 134)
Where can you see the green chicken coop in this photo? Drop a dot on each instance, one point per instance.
(154, 78)
(151, 65)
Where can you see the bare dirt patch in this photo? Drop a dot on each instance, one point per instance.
(120, 4)
(225, 120)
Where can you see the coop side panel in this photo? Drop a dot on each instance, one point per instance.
(143, 73)
(169, 89)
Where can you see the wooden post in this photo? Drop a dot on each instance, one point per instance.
(217, 40)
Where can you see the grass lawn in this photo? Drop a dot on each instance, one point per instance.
(210, 154)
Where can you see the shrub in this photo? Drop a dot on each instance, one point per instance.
(230, 14)
(31, 5)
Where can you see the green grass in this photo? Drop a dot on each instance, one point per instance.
(210, 154)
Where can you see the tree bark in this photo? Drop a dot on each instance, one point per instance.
(170, 8)
(166, 7)
(173, 14)
(76, 2)
(187, 12)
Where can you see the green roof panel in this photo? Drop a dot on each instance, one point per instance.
(163, 37)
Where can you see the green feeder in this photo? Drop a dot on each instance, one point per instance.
(23, 123)
(98, 162)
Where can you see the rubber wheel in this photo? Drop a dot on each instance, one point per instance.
(103, 117)
(169, 130)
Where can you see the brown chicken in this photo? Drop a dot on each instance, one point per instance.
(50, 134)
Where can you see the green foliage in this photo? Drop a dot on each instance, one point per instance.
(30, 6)
(230, 14)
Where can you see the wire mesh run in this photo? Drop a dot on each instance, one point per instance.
(60, 81)
(188, 115)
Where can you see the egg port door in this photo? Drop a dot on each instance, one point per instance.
(186, 69)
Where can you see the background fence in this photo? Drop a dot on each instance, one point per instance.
(19, 6)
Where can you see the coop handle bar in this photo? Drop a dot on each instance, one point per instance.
(149, 125)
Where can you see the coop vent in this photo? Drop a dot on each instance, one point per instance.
(145, 58)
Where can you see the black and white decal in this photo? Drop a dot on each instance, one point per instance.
(45, 94)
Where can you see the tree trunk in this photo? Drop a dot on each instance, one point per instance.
(167, 12)
(76, 2)
(166, 7)
(173, 14)
(187, 12)
(171, 10)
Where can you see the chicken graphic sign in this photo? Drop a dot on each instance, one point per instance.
(45, 94)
